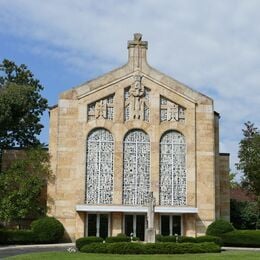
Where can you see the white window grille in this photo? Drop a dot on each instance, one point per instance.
(173, 169)
(136, 183)
(99, 175)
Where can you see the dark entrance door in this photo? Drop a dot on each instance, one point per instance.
(140, 226)
(98, 225)
(170, 225)
(135, 224)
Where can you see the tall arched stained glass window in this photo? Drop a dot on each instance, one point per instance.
(136, 168)
(173, 169)
(99, 175)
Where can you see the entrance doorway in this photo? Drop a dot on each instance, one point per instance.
(171, 225)
(98, 225)
(135, 225)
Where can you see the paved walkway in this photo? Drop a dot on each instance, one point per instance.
(239, 248)
(6, 251)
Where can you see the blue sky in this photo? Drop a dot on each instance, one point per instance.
(212, 46)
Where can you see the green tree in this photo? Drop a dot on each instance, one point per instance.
(249, 162)
(21, 186)
(21, 106)
(243, 214)
(232, 180)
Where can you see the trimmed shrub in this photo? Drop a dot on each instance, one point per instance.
(160, 238)
(8, 237)
(219, 227)
(216, 240)
(118, 238)
(87, 240)
(48, 230)
(125, 248)
(151, 248)
(3, 237)
(95, 248)
(181, 248)
(243, 238)
(184, 239)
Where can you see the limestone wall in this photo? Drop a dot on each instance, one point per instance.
(224, 186)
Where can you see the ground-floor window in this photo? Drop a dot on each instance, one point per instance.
(98, 225)
(170, 225)
(135, 224)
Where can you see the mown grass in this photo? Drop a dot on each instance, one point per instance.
(243, 255)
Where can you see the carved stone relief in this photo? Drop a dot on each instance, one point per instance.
(137, 101)
(101, 109)
(171, 111)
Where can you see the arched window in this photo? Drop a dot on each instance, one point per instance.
(99, 175)
(136, 168)
(172, 169)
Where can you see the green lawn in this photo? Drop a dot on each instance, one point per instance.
(243, 255)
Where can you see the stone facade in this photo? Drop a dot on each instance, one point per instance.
(155, 131)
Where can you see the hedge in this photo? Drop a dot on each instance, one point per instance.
(87, 240)
(44, 230)
(48, 230)
(184, 239)
(216, 240)
(219, 227)
(10, 237)
(151, 248)
(117, 239)
(161, 238)
(243, 238)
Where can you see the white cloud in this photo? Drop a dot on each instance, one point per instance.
(213, 46)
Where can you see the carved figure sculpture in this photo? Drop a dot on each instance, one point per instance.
(136, 95)
(151, 205)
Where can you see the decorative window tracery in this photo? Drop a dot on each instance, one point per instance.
(173, 169)
(99, 175)
(136, 183)
(102, 109)
(137, 104)
(171, 111)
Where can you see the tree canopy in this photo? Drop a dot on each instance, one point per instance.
(21, 186)
(243, 214)
(249, 160)
(21, 106)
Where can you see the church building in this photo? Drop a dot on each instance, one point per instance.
(135, 151)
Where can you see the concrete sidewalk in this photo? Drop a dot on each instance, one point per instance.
(6, 251)
(227, 248)
(37, 246)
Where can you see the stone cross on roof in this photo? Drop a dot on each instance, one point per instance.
(137, 51)
(137, 42)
